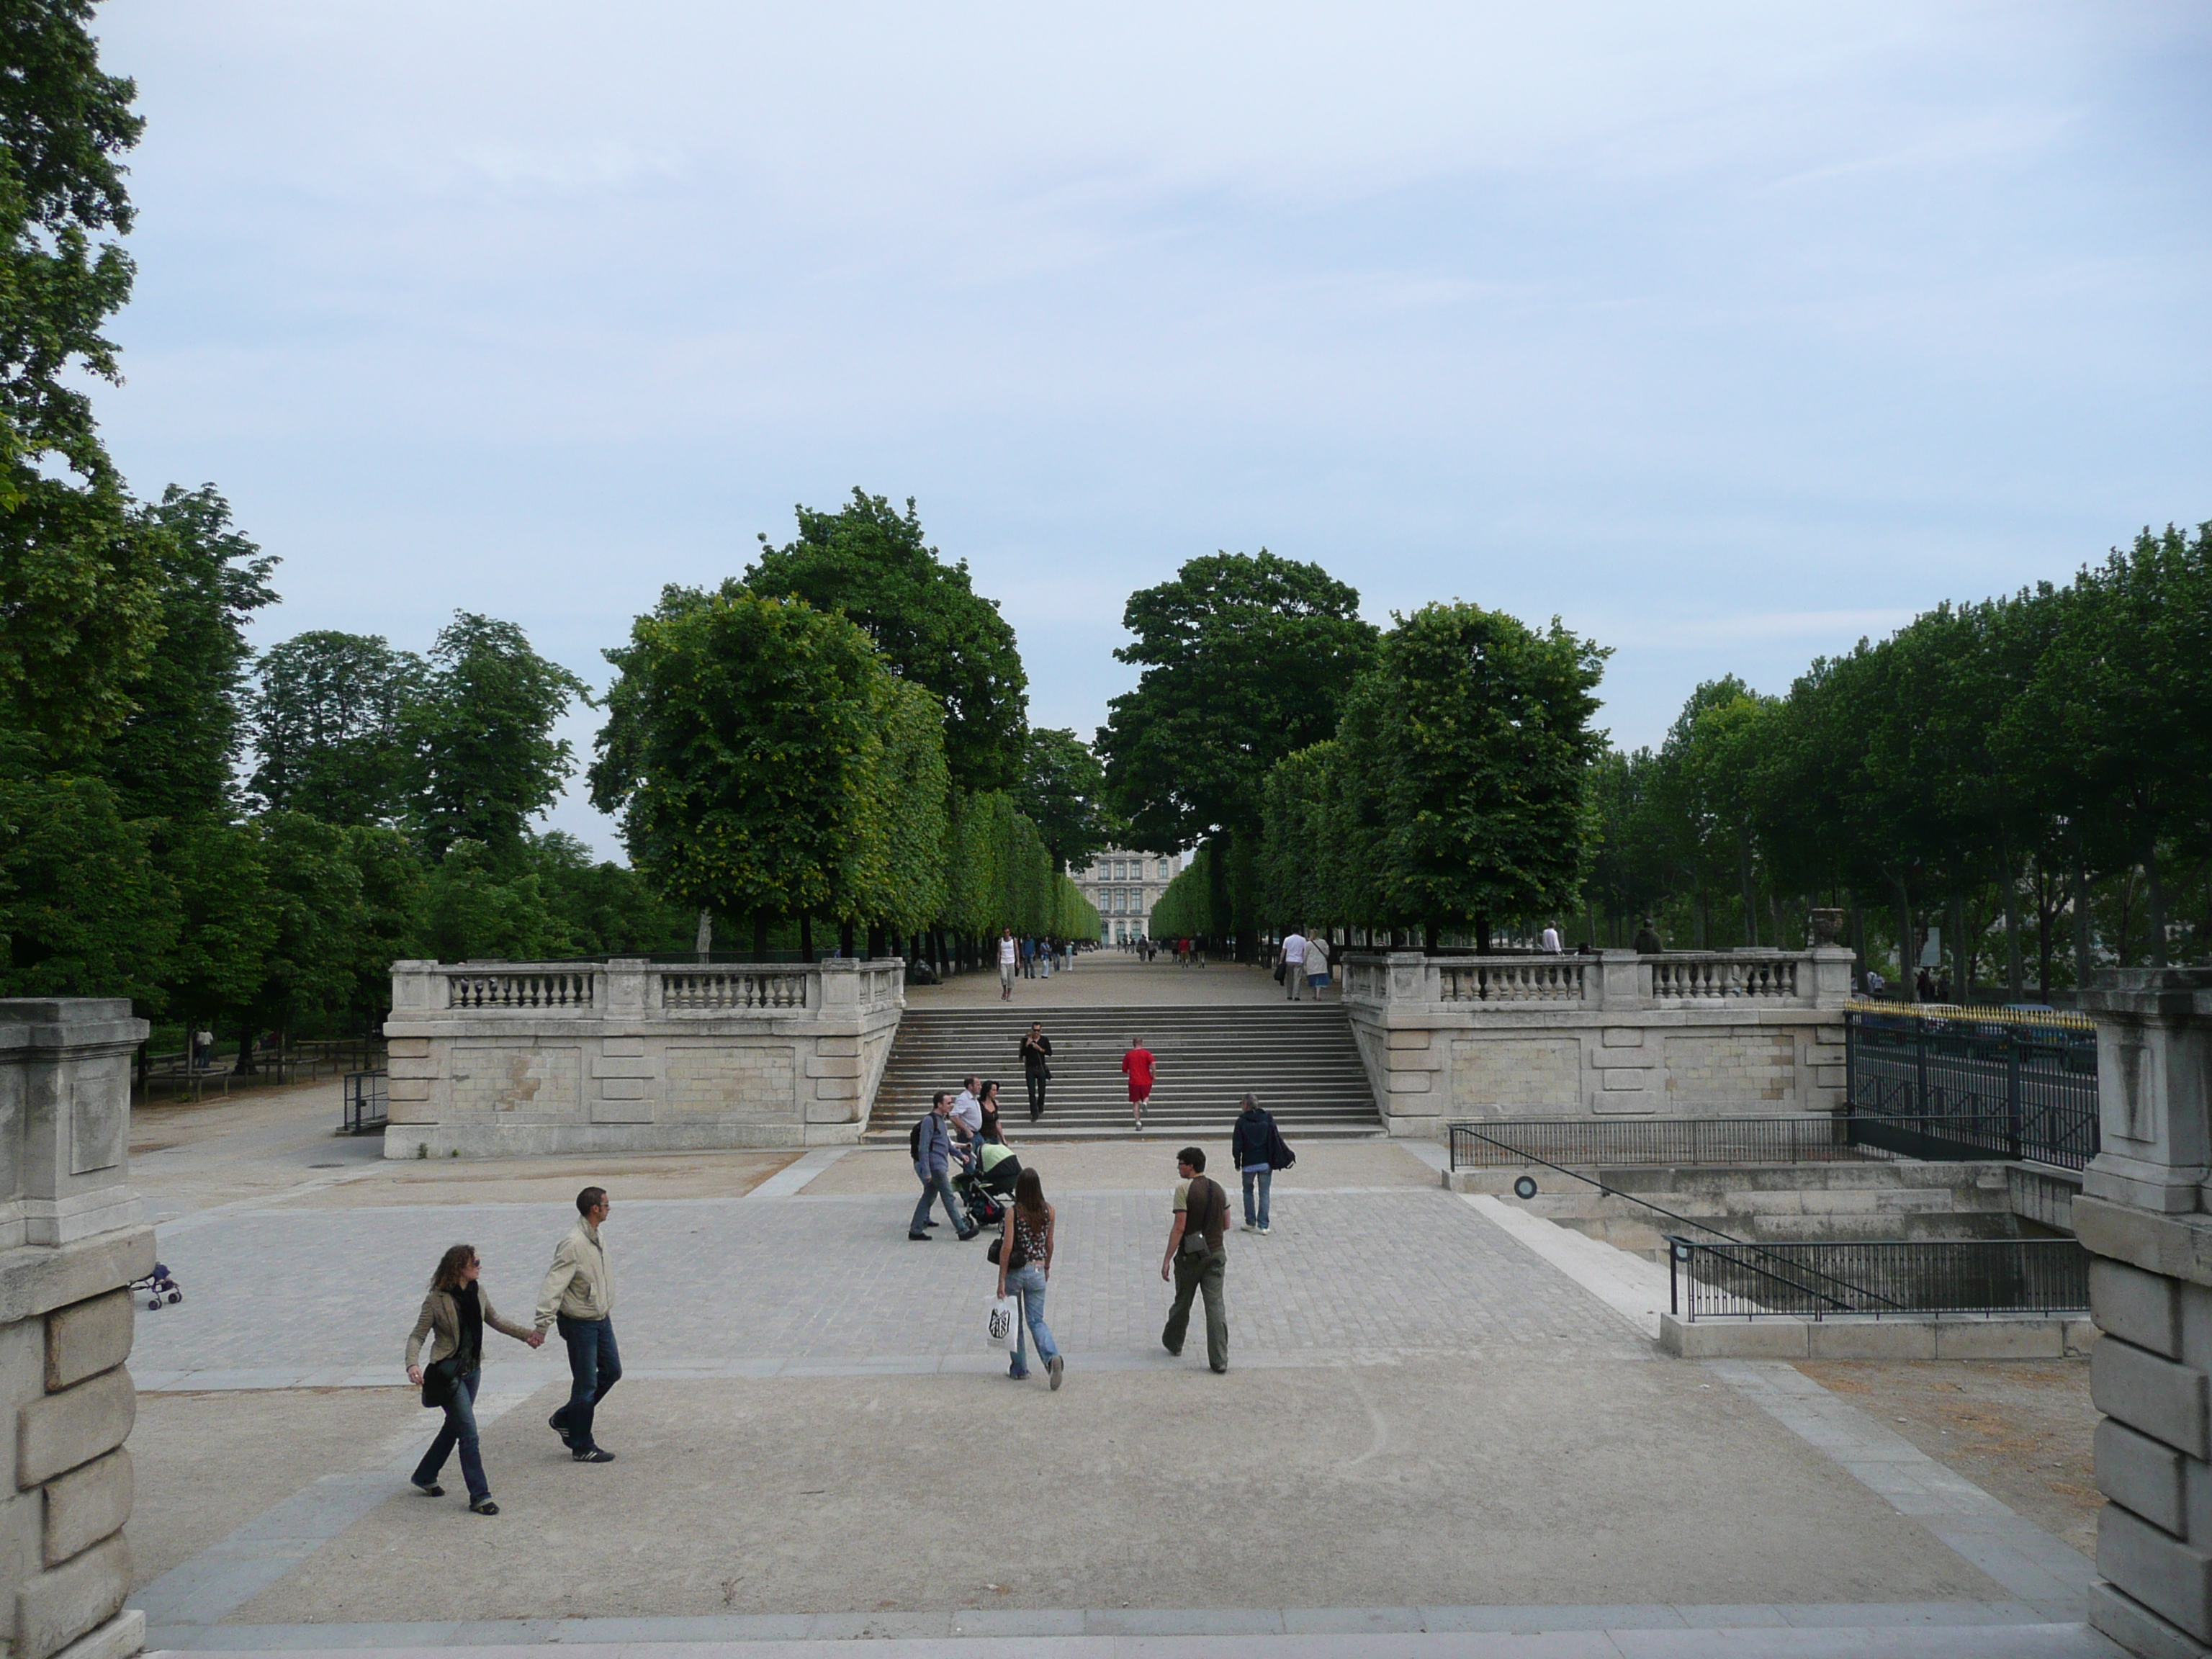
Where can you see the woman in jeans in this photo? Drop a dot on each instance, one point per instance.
(1025, 1246)
(454, 1316)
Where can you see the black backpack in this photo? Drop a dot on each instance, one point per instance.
(914, 1140)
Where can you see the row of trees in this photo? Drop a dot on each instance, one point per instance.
(2026, 777)
(1428, 780)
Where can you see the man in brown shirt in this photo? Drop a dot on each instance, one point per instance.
(1198, 1257)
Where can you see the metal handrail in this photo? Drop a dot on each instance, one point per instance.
(1927, 1276)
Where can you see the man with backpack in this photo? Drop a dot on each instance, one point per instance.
(1198, 1257)
(1257, 1149)
(931, 1143)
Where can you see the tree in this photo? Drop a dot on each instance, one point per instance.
(1485, 746)
(1245, 659)
(933, 627)
(330, 723)
(225, 923)
(475, 907)
(173, 755)
(82, 910)
(1063, 792)
(486, 761)
(79, 611)
(740, 750)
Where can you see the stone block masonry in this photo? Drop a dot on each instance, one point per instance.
(73, 1243)
(507, 1058)
(1613, 1033)
(2141, 1214)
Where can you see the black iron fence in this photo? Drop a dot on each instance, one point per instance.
(1803, 1139)
(367, 1104)
(1988, 1086)
(1824, 1280)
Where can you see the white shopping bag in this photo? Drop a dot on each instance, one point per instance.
(1000, 1323)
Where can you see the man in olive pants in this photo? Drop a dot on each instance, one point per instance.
(1198, 1257)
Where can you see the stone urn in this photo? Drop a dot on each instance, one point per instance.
(1827, 928)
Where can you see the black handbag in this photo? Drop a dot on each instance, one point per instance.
(1280, 967)
(440, 1378)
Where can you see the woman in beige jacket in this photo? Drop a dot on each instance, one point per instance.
(454, 1316)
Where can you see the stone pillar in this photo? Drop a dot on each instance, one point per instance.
(2142, 1217)
(70, 1240)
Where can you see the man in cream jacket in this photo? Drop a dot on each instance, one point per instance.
(578, 1295)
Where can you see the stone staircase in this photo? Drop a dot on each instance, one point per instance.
(1300, 1059)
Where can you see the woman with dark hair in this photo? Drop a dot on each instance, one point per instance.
(454, 1316)
(1025, 1246)
(988, 1099)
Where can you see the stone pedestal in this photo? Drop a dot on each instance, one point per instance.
(70, 1240)
(2142, 1215)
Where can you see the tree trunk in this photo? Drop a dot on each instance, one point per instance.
(1859, 938)
(702, 942)
(2015, 981)
(875, 941)
(1907, 979)
(1428, 939)
(2080, 923)
(844, 938)
(1482, 936)
(806, 938)
(760, 936)
(2046, 908)
(1750, 890)
(2154, 902)
(1962, 955)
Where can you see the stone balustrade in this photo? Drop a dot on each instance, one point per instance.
(71, 1241)
(1686, 1032)
(510, 1058)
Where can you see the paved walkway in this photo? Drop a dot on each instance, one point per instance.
(1108, 979)
(1433, 1432)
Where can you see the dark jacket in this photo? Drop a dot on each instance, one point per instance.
(1255, 1139)
(1036, 1055)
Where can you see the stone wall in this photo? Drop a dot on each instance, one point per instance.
(1741, 1032)
(2142, 1215)
(70, 1240)
(507, 1058)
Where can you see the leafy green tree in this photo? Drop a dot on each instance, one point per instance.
(603, 908)
(226, 924)
(330, 724)
(933, 627)
(312, 889)
(478, 908)
(1063, 792)
(79, 607)
(173, 755)
(910, 821)
(1485, 746)
(83, 911)
(486, 760)
(742, 741)
(1245, 659)
(391, 908)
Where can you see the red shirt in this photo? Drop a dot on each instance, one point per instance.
(1137, 1063)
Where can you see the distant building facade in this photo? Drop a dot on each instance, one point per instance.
(1125, 885)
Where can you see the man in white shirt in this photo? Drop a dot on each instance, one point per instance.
(1010, 955)
(1552, 939)
(1294, 963)
(967, 1112)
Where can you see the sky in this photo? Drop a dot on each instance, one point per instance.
(1726, 333)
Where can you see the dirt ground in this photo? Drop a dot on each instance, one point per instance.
(2019, 1428)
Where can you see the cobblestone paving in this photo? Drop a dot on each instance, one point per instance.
(710, 1287)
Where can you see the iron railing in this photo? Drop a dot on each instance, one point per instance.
(2013, 1087)
(1804, 1139)
(1824, 1280)
(367, 1102)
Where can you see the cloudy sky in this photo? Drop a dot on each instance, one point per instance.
(1726, 332)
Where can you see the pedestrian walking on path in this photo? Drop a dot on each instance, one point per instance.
(1294, 963)
(1257, 1149)
(1317, 965)
(453, 1317)
(986, 1124)
(1025, 1246)
(967, 1115)
(1008, 955)
(1037, 1067)
(1137, 1066)
(933, 1162)
(1197, 1260)
(578, 1296)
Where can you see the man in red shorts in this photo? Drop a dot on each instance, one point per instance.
(1138, 1065)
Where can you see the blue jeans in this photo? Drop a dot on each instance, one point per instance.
(1026, 1286)
(459, 1430)
(934, 1187)
(595, 1367)
(1263, 1176)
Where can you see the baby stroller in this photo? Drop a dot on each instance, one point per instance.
(987, 1185)
(157, 1287)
